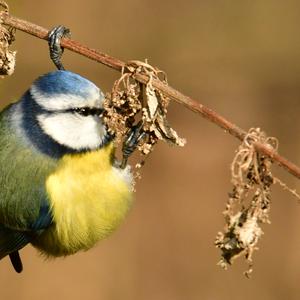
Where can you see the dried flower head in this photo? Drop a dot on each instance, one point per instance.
(249, 202)
(131, 102)
(7, 57)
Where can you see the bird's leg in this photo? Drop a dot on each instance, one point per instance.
(55, 49)
(131, 142)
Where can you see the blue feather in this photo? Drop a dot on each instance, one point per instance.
(44, 219)
(66, 83)
(11, 240)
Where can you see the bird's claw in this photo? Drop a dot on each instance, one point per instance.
(131, 142)
(55, 49)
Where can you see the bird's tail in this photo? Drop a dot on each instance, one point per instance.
(10, 242)
(16, 261)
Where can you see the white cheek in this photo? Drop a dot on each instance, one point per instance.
(74, 131)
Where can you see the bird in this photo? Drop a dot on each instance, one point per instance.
(61, 187)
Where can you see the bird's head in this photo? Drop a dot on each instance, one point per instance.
(61, 113)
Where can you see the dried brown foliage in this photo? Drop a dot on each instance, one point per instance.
(7, 57)
(131, 102)
(249, 202)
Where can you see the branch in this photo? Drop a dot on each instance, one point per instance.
(188, 102)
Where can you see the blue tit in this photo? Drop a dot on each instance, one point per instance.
(61, 189)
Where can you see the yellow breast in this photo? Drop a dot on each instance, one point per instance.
(89, 199)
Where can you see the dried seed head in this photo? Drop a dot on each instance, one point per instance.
(7, 57)
(249, 202)
(131, 102)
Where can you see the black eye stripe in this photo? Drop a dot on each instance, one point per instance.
(86, 111)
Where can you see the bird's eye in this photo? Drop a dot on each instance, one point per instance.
(88, 111)
(84, 111)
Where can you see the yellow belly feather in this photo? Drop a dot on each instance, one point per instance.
(89, 199)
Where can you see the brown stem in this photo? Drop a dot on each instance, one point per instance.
(118, 65)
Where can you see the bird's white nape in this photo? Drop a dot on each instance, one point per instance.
(73, 130)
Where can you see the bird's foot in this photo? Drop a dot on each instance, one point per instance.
(55, 49)
(134, 136)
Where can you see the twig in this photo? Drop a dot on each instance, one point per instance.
(188, 102)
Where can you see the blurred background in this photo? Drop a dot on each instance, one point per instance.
(241, 58)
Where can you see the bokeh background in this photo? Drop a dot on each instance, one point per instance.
(241, 58)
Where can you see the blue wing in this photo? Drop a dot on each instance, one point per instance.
(12, 240)
(24, 207)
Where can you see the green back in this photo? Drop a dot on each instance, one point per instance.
(22, 178)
